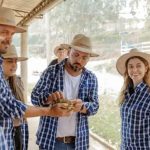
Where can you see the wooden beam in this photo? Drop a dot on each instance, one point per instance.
(41, 7)
(2, 1)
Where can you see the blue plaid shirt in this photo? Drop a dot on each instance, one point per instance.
(10, 108)
(51, 81)
(3, 145)
(24, 135)
(135, 114)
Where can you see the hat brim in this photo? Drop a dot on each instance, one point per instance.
(121, 62)
(62, 46)
(85, 50)
(18, 58)
(18, 29)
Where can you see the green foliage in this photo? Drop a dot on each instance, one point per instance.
(106, 123)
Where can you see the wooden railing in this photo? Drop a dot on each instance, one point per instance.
(143, 46)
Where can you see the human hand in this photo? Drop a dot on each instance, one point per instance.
(77, 103)
(59, 110)
(54, 97)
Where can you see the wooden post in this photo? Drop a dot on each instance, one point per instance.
(24, 53)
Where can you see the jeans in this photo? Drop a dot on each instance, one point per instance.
(64, 146)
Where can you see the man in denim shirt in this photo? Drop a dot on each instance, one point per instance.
(72, 81)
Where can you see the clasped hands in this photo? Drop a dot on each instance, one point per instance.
(62, 107)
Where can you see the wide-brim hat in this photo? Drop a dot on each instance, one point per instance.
(61, 47)
(121, 62)
(7, 17)
(12, 53)
(83, 43)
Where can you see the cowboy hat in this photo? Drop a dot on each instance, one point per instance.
(7, 17)
(61, 47)
(82, 43)
(121, 62)
(12, 53)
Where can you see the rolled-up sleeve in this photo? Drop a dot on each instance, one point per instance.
(92, 101)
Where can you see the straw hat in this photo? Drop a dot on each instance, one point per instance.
(7, 17)
(61, 47)
(121, 62)
(12, 53)
(82, 43)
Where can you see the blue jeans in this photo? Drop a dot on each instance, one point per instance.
(64, 146)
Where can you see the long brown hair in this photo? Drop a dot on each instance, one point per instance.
(16, 86)
(128, 80)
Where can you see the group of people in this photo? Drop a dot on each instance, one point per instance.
(68, 78)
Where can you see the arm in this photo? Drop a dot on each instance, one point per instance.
(90, 105)
(40, 92)
(10, 107)
(90, 94)
(55, 111)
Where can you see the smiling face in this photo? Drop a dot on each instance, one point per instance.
(6, 33)
(9, 67)
(136, 69)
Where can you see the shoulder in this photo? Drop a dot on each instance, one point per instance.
(53, 62)
(52, 70)
(89, 74)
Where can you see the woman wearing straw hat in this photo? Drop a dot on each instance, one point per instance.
(135, 100)
(20, 130)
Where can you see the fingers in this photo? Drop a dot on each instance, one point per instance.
(59, 111)
(58, 95)
(55, 96)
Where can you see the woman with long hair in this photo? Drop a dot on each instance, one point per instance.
(135, 100)
(20, 129)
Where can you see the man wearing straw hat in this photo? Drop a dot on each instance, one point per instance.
(10, 107)
(61, 53)
(72, 81)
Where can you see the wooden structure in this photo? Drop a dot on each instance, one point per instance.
(26, 11)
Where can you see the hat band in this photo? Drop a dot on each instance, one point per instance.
(82, 46)
(6, 21)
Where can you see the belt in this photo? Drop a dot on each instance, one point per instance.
(66, 139)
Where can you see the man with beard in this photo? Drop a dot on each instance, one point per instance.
(10, 107)
(72, 81)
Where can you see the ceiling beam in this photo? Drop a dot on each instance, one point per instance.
(2, 1)
(41, 7)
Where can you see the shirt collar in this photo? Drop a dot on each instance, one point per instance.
(140, 86)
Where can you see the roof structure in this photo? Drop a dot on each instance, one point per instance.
(27, 10)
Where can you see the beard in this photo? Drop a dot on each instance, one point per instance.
(76, 67)
(4, 46)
